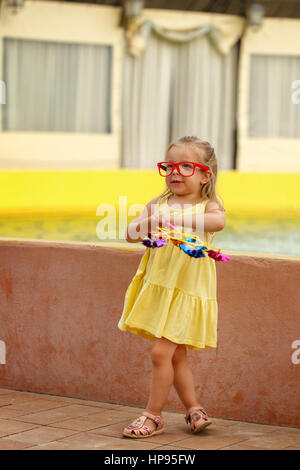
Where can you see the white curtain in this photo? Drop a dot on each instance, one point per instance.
(176, 89)
(272, 111)
(56, 87)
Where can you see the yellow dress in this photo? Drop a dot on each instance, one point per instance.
(172, 294)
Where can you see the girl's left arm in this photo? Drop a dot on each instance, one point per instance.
(213, 219)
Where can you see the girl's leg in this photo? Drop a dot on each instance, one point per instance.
(162, 376)
(183, 378)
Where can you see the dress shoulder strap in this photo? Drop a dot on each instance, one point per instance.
(162, 199)
(200, 207)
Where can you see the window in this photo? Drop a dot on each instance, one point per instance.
(272, 111)
(56, 86)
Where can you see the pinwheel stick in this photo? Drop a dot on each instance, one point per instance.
(165, 232)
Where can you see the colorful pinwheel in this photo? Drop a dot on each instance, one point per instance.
(192, 246)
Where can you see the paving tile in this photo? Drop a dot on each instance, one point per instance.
(130, 444)
(29, 394)
(54, 445)
(80, 401)
(204, 442)
(93, 421)
(166, 438)
(274, 441)
(241, 446)
(57, 414)
(9, 426)
(242, 431)
(8, 412)
(46, 396)
(258, 445)
(174, 418)
(5, 400)
(282, 430)
(225, 422)
(253, 428)
(36, 405)
(40, 435)
(10, 444)
(169, 447)
(88, 440)
(13, 398)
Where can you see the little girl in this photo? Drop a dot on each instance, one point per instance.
(171, 300)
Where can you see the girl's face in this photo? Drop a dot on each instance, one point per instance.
(186, 185)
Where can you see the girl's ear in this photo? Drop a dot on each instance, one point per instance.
(207, 176)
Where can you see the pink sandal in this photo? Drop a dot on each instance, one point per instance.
(138, 430)
(198, 419)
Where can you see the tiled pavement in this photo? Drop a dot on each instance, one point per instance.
(40, 421)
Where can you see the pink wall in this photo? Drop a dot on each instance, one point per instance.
(60, 304)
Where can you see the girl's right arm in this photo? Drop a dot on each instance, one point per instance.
(141, 225)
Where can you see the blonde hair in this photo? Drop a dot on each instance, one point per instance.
(207, 156)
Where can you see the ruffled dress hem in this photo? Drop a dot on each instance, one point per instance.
(199, 313)
(143, 331)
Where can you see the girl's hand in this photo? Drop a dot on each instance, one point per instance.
(155, 220)
(169, 218)
(160, 220)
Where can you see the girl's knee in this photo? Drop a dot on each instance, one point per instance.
(179, 354)
(162, 352)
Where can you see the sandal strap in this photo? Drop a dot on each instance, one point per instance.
(193, 409)
(157, 419)
(137, 423)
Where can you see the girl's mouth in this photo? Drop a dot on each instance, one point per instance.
(176, 182)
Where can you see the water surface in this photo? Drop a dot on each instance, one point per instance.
(277, 236)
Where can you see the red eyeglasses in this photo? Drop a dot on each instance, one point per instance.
(183, 168)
